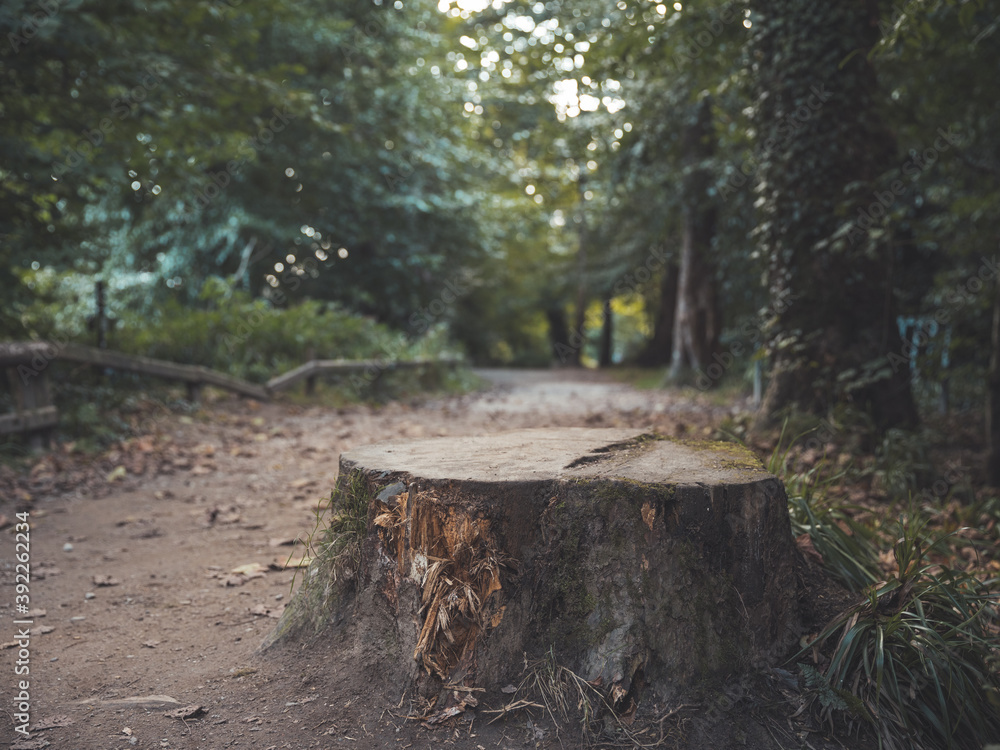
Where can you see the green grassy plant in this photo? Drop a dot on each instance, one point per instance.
(334, 549)
(902, 463)
(225, 329)
(845, 545)
(341, 523)
(917, 660)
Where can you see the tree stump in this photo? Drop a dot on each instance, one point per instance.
(631, 559)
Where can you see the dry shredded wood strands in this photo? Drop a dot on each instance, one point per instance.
(454, 559)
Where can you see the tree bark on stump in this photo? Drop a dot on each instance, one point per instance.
(632, 559)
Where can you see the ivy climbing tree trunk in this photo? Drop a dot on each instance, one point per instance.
(993, 398)
(823, 149)
(696, 322)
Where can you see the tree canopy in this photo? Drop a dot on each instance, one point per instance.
(813, 188)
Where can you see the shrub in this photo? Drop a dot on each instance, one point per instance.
(253, 340)
(917, 659)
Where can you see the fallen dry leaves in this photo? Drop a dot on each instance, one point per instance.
(185, 712)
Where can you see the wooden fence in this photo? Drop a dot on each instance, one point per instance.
(35, 413)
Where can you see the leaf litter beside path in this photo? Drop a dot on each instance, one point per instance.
(204, 643)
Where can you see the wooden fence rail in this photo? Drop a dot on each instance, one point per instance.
(312, 369)
(26, 364)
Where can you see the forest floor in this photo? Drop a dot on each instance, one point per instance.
(157, 572)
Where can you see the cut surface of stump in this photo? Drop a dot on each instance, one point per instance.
(633, 560)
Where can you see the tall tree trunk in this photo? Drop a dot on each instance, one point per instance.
(696, 322)
(822, 151)
(604, 356)
(993, 399)
(559, 336)
(101, 317)
(659, 348)
(580, 323)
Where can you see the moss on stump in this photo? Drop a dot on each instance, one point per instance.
(635, 560)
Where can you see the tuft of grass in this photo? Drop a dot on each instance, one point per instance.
(338, 548)
(564, 693)
(917, 660)
(604, 714)
(902, 463)
(334, 548)
(845, 545)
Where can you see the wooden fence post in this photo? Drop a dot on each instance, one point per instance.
(32, 404)
(311, 380)
(194, 391)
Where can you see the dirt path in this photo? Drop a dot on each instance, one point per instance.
(176, 626)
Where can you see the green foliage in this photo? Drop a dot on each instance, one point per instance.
(227, 331)
(341, 523)
(254, 340)
(224, 329)
(902, 463)
(918, 659)
(62, 303)
(333, 551)
(181, 140)
(825, 694)
(845, 545)
(139, 141)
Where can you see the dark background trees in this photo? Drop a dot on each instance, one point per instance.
(693, 188)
